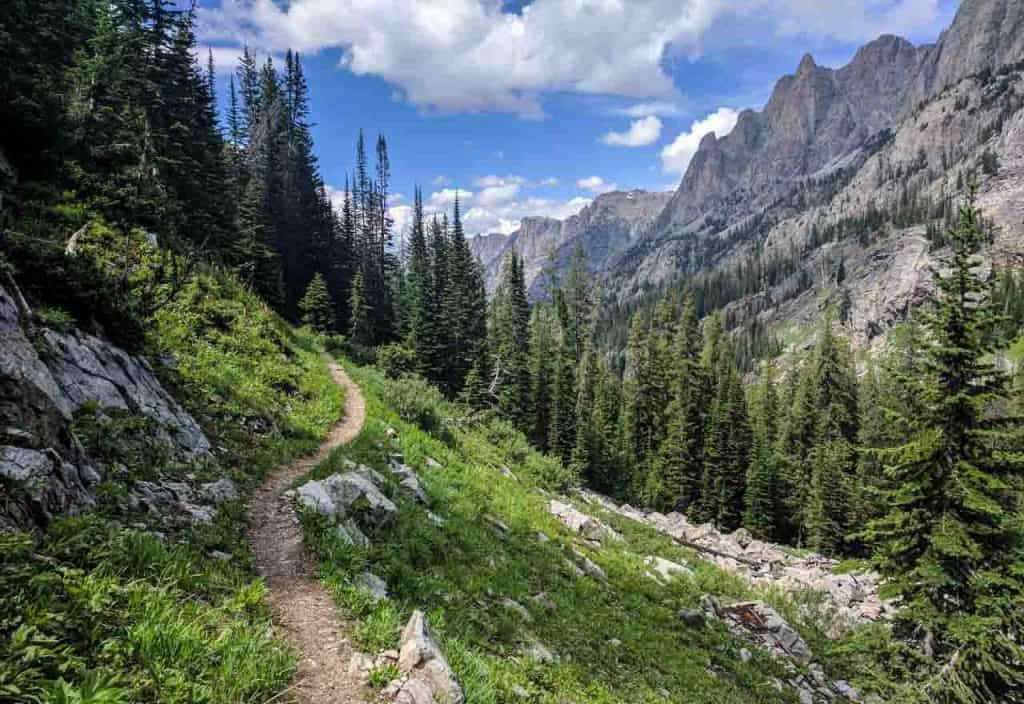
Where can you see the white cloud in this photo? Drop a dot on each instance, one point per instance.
(641, 133)
(547, 182)
(498, 205)
(596, 185)
(441, 180)
(446, 197)
(470, 55)
(675, 158)
(661, 108)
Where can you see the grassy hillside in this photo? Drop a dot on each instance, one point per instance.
(619, 641)
(121, 605)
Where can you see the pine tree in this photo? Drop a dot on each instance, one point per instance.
(542, 366)
(316, 305)
(509, 334)
(951, 544)
(586, 450)
(420, 315)
(762, 495)
(562, 435)
(360, 324)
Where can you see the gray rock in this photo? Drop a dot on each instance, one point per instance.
(746, 655)
(765, 623)
(435, 519)
(219, 492)
(537, 652)
(349, 532)
(198, 515)
(579, 522)
(430, 678)
(666, 569)
(432, 463)
(692, 618)
(87, 369)
(410, 482)
(350, 495)
(590, 568)
(27, 466)
(374, 585)
(519, 609)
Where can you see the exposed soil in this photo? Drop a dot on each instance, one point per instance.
(303, 610)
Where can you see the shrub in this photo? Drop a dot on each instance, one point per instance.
(396, 360)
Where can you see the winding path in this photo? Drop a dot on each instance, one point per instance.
(303, 610)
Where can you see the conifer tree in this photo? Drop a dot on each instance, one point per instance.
(586, 451)
(762, 495)
(360, 324)
(562, 435)
(420, 316)
(316, 305)
(542, 369)
(951, 543)
(510, 339)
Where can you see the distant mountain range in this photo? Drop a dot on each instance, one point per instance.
(861, 165)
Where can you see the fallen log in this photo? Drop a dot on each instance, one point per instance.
(718, 553)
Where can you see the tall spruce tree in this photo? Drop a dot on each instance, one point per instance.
(951, 544)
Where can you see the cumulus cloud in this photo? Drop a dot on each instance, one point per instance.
(497, 205)
(596, 185)
(641, 133)
(676, 157)
(470, 55)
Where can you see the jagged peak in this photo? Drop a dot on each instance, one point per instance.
(807, 66)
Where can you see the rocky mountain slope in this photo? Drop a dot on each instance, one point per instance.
(862, 165)
(606, 227)
(835, 194)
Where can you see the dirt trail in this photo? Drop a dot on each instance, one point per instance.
(302, 608)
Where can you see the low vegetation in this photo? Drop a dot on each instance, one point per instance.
(125, 605)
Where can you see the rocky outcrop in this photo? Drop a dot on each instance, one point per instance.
(853, 597)
(427, 678)
(578, 522)
(353, 501)
(44, 380)
(850, 165)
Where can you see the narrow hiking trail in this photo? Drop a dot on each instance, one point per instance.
(302, 609)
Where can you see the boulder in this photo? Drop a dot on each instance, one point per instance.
(579, 522)
(663, 569)
(349, 532)
(219, 492)
(409, 481)
(765, 623)
(692, 618)
(430, 679)
(590, 568)
(350, 495)
(376, 587)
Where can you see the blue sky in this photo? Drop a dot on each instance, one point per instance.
(535, 106)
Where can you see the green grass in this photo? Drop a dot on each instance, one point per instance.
(620, 642)
(124, 606)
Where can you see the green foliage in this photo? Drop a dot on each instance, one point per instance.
(396, 360)
(97, 613)
(951, 543)
(461, 572)
(316, 305)
(54, 318)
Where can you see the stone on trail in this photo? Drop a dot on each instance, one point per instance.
(429, 678)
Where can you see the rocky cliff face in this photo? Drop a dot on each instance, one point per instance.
(603, 229)
(44, 380)
(852, 165)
